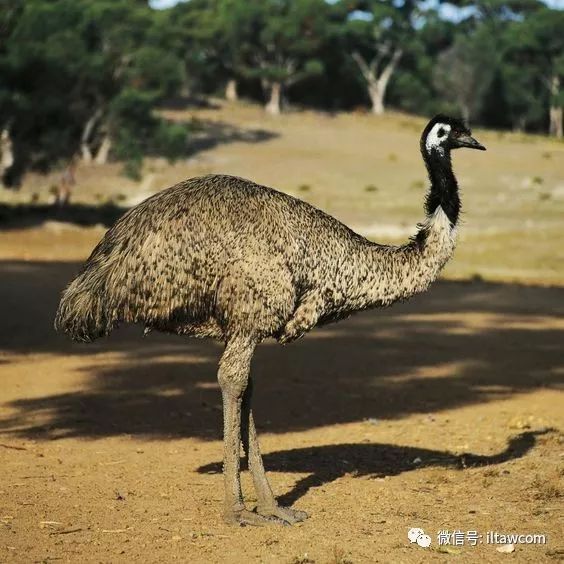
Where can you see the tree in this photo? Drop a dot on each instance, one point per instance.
(290, 41)
(70, 67)
(413, 88)
(8, 16)
(464, 71)
(40, 58)
(274, 42)
(485, 72)
(202, 36)
(123, 42)
(537, 42)
(378, 34)
(279, 42)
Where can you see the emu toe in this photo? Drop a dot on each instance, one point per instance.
(244, 518)
(287, 515)
(277, 516)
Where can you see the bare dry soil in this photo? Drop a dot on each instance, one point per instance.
(443, 413)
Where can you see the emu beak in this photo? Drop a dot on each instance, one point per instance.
(470, 143)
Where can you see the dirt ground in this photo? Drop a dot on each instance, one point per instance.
(444, 413)
(441, 413)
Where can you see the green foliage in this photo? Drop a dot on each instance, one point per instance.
(66, 63)
(132, 123)
(280, 39)
(265, 41)
(465, 70)
(155, 71)
(138, 132)
(75, 73)
(170, 139)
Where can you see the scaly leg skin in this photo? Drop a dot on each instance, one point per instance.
(235, 512)
(267, 506)
(232, 376)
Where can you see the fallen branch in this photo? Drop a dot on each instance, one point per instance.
(67, 532)
(12, 447)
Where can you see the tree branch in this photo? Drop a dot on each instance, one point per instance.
(86, 133)
(365, 70)
(390, 67)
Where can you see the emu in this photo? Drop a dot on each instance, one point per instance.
(222, 257)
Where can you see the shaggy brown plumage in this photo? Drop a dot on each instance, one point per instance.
(222, 257)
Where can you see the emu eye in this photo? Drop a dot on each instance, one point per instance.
(441, 132)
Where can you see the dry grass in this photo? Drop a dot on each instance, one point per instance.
(367, 171)
(547, 488)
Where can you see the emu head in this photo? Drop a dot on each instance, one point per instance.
(442, 134)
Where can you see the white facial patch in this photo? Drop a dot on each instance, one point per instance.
(439, 132)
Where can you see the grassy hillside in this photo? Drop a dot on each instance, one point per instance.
(365, 170)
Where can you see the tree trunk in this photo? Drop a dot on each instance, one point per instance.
(556, 118)
(104, 150)
(376, 98)
(465, 111)
(86, 153)
(519, 124)
(6, 153)
(555, 112)
(377, 83)
(84, 146)
(66, 184)
(231, 94)
(85, 137)
(274, 105)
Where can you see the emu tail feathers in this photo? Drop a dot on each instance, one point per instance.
(83, 313)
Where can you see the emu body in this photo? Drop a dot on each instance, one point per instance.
(218, 255)
(222, 257)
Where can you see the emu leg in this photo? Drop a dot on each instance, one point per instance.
(267, 505)
(233, 375)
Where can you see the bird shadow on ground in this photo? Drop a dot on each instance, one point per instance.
(325, 464)
(460, 344)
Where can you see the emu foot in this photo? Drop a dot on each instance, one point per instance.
(286, 515)
(244, 518)
(276, 515)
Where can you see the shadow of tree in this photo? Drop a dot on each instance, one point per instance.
(209, 133)
(190, 101)
(460, 344)
(30, 215)
(205, 135)
(325, 464)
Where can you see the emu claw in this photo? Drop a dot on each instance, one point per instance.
(246, 518)
(284, 515)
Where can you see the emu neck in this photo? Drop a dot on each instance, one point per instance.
(444, 188)
(385, 274)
